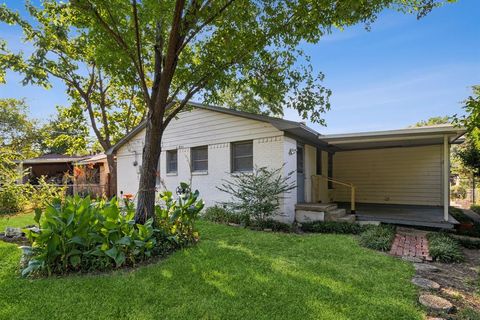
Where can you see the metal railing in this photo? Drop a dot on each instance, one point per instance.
(346, 184)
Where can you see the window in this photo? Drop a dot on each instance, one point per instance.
(200, 158)
(172, 161)
(242, 156)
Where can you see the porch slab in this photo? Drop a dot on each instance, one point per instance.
(408, 215)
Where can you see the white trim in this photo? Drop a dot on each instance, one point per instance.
(446, 175)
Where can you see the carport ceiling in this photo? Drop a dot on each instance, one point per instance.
(410, 137)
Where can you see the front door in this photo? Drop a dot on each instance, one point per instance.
(300, 174)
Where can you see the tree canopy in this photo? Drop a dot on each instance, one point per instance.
(433, 121)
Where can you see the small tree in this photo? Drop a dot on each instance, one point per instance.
(258, 193)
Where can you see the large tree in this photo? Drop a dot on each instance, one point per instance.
(177, 49)
(66, 49)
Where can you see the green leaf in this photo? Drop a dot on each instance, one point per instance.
(75, 260)
(112, 253)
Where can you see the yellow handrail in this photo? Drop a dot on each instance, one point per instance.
(346, 184)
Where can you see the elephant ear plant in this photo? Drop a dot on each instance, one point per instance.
(81, 235)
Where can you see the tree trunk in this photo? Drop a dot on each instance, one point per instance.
(149, 171)
(112, 176)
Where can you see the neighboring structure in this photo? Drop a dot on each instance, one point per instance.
(56, 169)
(92, 176)
(398, 176)
(84, 175)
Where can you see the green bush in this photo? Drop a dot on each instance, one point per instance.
(258, 193)
(78, 234)
(222, 215)
(444, 248)
(331, 227)
(10, 200)
(176, 217)
(459, 215)
(378, 237)
(272, 224)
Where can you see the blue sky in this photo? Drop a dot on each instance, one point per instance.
(402, 71)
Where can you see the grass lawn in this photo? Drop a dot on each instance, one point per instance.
(232, 274)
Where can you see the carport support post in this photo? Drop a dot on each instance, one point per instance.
(446, 176)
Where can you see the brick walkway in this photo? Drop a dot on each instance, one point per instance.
(411, 243)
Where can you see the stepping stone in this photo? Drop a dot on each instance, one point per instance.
(425, 267)
(435, 303)
(412, 259)
(425, 283)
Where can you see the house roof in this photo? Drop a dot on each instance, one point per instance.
(51, 158)
(297, 129)
(409, 137)
(92, 159)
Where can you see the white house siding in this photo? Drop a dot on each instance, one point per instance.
(203, 127)
(397, 175)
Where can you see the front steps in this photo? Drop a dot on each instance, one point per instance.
(308, 212)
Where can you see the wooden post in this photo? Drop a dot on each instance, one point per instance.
(446, 176)
(353, 199)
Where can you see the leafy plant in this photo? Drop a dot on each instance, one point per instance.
(176, 217)
(475, 208)
(378, 237)
(444, 248)
(258, 193)
(331, 227)
(222, 215)
(80, 235)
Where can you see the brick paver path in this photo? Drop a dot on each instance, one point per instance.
(411, 243)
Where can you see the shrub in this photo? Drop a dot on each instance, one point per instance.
(176, 217)
(444, 248)
(258, 193)
(378, 237)
(272, 224)
(10, 200)
(469, 243)
(80, 235)
(222, 215)
(332, 227)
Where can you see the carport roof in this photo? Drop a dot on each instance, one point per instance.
(410, 137)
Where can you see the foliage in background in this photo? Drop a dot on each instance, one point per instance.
(257, 194)
(19, 134)
(433, 121)
(475, 208)
(332, 227)
(378, 237)
(471, 120)
(444, 248)
(67, 132)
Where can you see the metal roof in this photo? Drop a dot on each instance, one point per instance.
(297, 129)
(409, 137)
(52, 158)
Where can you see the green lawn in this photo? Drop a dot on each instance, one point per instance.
(232, 274)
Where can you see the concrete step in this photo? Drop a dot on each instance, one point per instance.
(350, 218)
(308, 216)
(333, 215)
(319, 207)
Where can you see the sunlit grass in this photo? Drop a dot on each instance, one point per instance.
(231, 274)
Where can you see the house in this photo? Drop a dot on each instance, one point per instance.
(397, 176)
(92, 176)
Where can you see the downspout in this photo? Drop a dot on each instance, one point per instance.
(446, 176)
